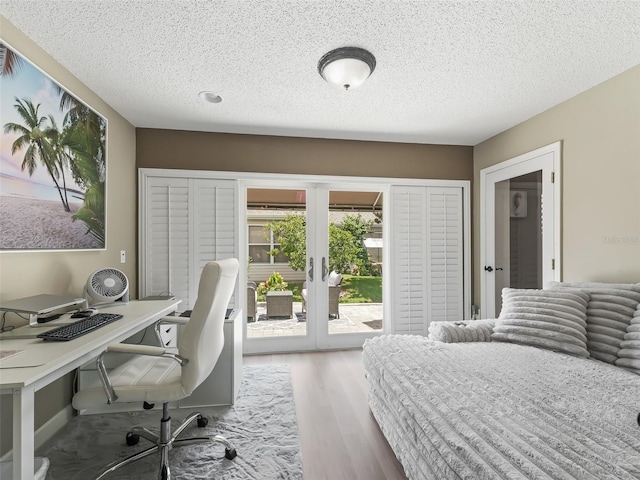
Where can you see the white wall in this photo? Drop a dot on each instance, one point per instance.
(600, 134)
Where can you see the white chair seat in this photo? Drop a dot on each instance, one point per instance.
(143, 379)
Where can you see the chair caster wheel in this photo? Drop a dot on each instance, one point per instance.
(132, 439)
(230, 454)
(202, 421)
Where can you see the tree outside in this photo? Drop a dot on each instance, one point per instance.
(347, 253)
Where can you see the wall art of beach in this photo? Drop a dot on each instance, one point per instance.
(52, 163)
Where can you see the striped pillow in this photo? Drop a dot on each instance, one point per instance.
(629, 353)
(550, 319)
(609, 312)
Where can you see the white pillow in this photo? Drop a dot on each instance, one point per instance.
(611, 307)
(335, 278)
(629, 353)
(550, 319)
(461, 331)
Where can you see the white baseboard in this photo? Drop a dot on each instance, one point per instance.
(48, 430)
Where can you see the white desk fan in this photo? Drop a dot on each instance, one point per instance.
(107, 286)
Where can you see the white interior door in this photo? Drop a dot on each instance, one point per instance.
(520, 225)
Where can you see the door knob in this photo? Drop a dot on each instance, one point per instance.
(489, 268)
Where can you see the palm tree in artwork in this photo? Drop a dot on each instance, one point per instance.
(87, 146)
(10, 61)
(32, 137)
(84, 134)
(59, 150)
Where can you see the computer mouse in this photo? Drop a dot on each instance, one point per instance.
(83, 314)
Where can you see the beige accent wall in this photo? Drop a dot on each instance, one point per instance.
(600, 134)
(311, 156)
(24, 274)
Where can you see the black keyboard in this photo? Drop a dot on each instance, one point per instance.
(81, 327)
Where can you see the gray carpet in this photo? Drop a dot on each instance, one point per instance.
(261, 425)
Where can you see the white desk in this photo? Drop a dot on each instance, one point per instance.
(41, 363)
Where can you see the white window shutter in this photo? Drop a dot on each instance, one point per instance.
(214, 226)
(427, 258)
(445, 247)
(188, 222)
(409, 260)
(167, 239)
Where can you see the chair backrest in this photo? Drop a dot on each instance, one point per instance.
(203, 338)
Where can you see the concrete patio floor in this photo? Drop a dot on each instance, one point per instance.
(354, 317)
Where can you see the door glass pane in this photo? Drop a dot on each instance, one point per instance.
(518, 234)
(276, 232)
(355, 262)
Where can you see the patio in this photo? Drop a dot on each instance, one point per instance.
(354, 317)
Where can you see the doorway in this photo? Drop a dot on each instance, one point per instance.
(520, 225)
(315, 269)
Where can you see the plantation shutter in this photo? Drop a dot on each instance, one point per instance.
(187, 223)
(445, 254)
(214, 225)
(166, 248)
(427, 258)
(409, 263)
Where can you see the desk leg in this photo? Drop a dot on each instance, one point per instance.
(23, 432)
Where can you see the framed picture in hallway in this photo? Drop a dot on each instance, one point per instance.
(53, 163)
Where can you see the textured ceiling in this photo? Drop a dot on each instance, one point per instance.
(447, 72)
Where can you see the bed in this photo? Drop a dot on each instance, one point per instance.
(503, 410)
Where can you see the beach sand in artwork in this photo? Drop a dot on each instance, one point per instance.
(41, 225)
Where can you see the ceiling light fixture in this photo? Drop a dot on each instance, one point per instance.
(347, 67)
(210, 97)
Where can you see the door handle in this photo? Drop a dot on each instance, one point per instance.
(490, 268)
(325, 270)
(311, 269)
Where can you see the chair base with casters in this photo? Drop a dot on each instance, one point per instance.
(165, 441)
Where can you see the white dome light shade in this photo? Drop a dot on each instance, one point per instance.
(347, 67)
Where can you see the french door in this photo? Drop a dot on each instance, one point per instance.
(326, 241)
(520, 225)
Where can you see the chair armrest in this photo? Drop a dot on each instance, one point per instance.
(174, 319)
(137, 349)
(148, 350)
(462, 331)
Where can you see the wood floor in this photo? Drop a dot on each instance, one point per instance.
(339, 437)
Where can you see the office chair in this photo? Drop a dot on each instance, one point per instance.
(157, 375)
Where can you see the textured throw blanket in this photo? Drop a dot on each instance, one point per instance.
(501, 411)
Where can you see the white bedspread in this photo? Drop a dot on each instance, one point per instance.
(502, 411)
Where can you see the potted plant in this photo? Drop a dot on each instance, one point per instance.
(274, 283)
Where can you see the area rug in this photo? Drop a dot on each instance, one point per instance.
(261, 426)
